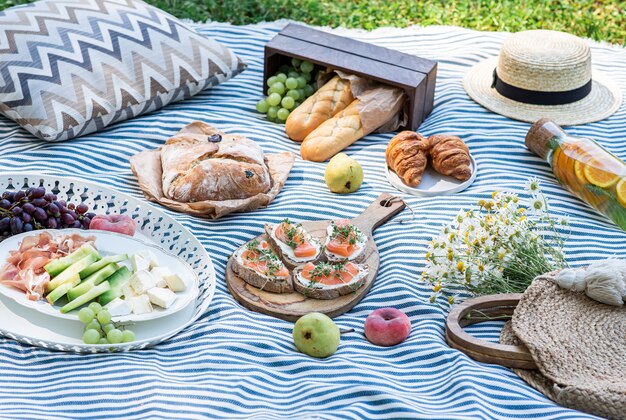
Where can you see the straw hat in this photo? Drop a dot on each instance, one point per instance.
(543, 74)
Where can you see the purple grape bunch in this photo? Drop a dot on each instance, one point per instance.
(35, 208)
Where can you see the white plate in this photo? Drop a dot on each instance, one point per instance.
(107, 243)
(31, 327)
(433, 183)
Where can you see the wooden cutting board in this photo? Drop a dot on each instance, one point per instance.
(291, 306)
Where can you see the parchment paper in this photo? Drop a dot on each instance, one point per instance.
(146, 166)
(381, 107)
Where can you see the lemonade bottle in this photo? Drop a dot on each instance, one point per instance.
(584, 167)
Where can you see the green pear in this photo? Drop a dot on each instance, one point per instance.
(316, 335)
(343, 174)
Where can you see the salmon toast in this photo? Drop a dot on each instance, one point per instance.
(259, 266)
(294, 245)
(329, 280)
(344, 242)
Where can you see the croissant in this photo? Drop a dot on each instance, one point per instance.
(407, 155)
(450, 156)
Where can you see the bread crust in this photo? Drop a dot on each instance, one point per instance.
(330, 99)
(324, 293)
(198, 169)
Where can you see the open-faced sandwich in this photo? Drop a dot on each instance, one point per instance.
(293, 243)
(258, 265)
(344, 242)
(329, 280)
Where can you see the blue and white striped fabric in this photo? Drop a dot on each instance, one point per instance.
(237, 363)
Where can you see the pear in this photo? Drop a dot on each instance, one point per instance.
(316, 335)
(343, 174)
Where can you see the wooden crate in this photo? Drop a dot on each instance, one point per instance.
(415, 75)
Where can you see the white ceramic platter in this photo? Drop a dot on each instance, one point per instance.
(32, 327)
(433, 183)
(107, 243)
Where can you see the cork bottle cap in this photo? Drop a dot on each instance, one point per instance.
(539, 136)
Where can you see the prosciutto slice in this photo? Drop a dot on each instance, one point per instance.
(24, 268)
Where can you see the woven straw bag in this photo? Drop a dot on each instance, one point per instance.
(578, 344)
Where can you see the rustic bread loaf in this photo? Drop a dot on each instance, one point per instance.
(201, 163)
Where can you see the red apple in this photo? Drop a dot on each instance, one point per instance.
(119, 223)
(387, 327)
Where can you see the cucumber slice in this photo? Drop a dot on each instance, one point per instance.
(91, 281)
(57, 293)
(117, 281)
(69, 272)
(55, 267)
(98, 265)
(87, 297)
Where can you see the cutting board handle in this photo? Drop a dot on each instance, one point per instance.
(382, 209)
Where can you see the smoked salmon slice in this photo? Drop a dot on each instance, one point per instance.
(260, 258)
(344, 238)
(330, 274)
(295, 237)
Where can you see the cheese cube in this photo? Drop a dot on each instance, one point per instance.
(141, 282)
(139, 262)
(141, 304)
(119, 307)
(161, 297)
(128, 291)
(175, 283)
(149, 256)
(159, 274)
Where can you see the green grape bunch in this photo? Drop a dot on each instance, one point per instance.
(99, 329)
(287, 89)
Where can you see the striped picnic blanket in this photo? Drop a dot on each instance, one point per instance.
(237, 363)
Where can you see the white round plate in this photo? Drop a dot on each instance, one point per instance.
(155, 226)
(433, 183)
(107, 243)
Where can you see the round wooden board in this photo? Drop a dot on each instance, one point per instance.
(291, 306)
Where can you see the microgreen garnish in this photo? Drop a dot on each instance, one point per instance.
(267, 255)
(325, 269)
(252, 245)
(293, 233)
(348, 232)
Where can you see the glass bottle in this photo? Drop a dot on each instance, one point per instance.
(584, 167)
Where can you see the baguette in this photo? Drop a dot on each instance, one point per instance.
(334, 135)
(330, 99)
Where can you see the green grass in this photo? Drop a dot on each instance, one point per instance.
(600, 19)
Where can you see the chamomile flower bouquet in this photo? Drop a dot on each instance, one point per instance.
(498, 247)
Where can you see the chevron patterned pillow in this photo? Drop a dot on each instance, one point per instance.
(72, 67)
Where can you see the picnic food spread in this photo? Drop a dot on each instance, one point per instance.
(107, 277)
